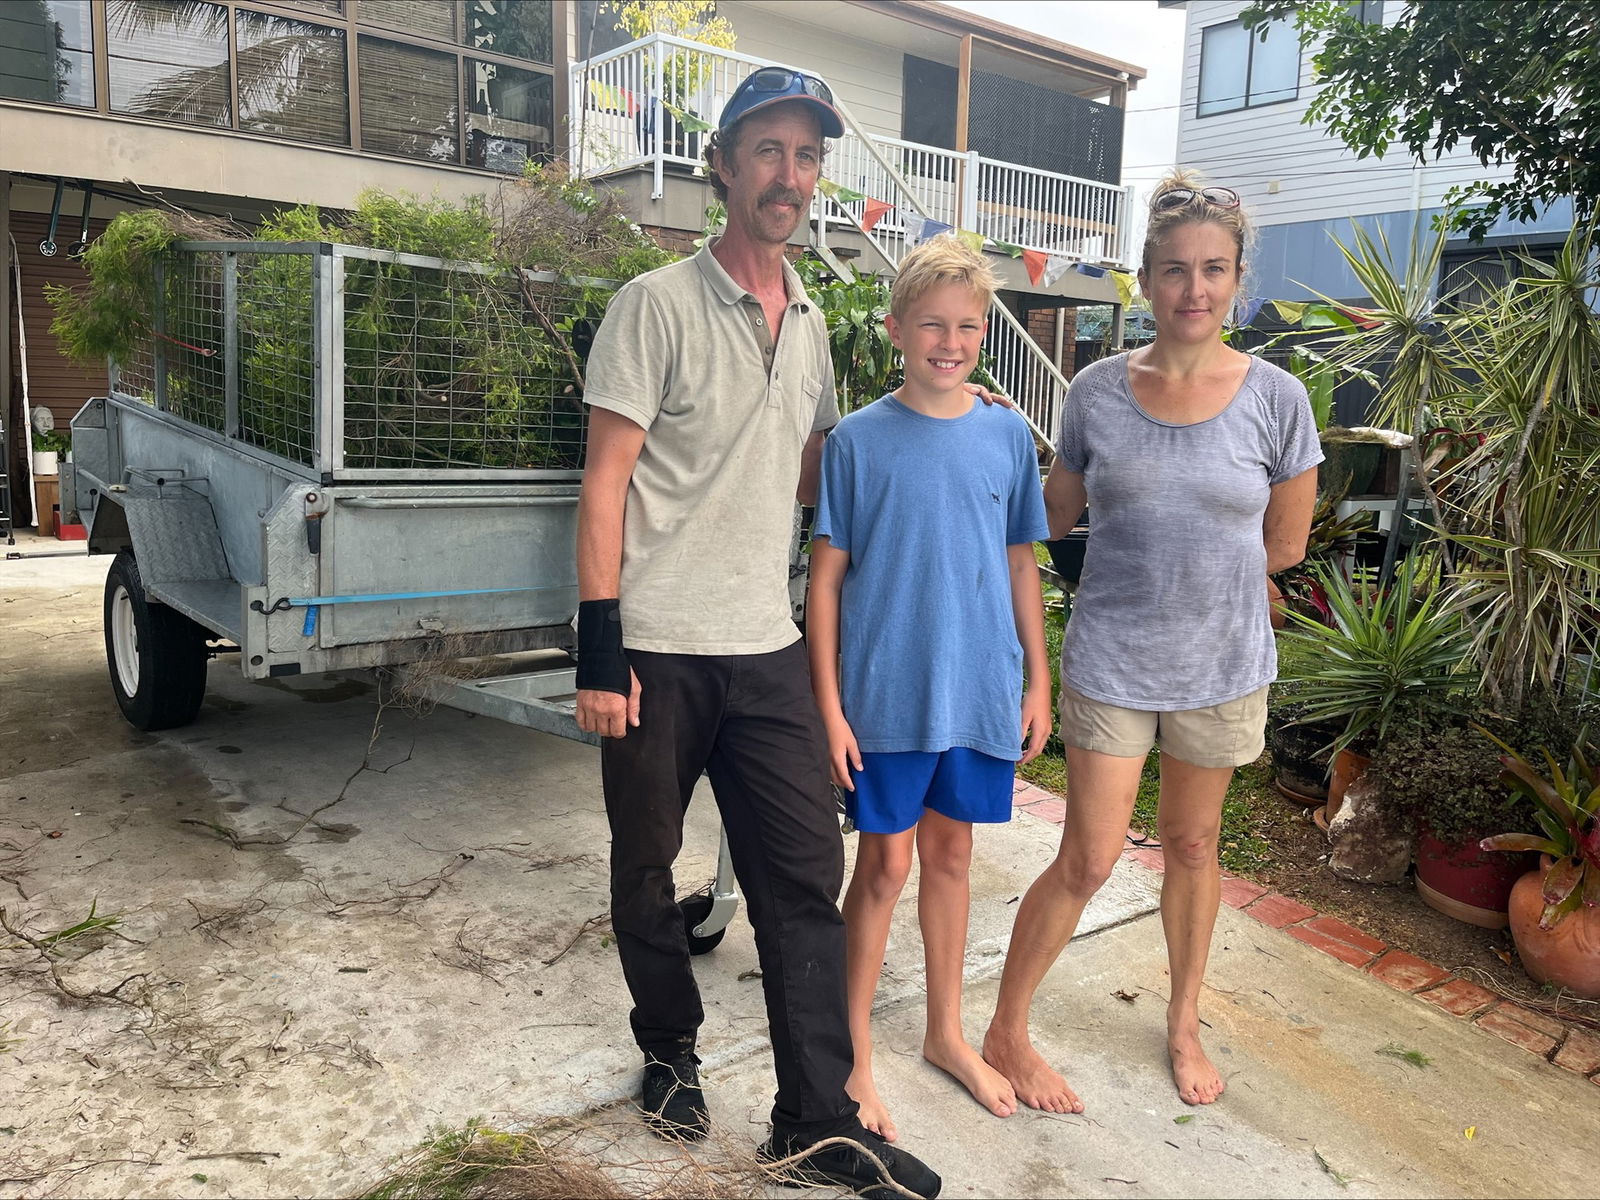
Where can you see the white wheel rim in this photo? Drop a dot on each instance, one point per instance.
(124, 641)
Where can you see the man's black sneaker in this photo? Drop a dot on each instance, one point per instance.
(846, 1166)
(674, 1106)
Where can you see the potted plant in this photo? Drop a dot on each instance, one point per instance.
(1555, 908)
(49, 443)
(1389, 654)
(1439, 777)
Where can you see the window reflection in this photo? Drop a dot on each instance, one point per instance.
(292, 79)
(425, 18)
(46, 52)
(509, 116)
(515, 28)
(408, 100)
(169, 59)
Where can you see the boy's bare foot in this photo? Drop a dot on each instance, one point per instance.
(874, 1113)
(988, 1087)
(1032, 1079)
(1197, 1079)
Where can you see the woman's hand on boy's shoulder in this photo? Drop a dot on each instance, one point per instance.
(988, 397)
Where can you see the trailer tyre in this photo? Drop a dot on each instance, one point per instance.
(695, 909)
(156, 655)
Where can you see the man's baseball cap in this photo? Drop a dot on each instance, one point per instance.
(781, 85)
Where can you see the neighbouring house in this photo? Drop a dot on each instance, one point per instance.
(240, 107)
(1241, 122)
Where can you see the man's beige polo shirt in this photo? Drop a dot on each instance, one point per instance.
(686, 353)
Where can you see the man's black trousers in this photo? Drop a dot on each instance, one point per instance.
(749, 722)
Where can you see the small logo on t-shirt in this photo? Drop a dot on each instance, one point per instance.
(995, 496)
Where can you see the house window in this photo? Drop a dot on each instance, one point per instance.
(169, 60)
(292, 81)
(1238, 69)
(408, 100)
(1368, 12)
(509, 114)
(46, 52)
(420, 18)
(514, 28)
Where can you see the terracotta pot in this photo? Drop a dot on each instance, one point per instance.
(1468, 883)
(1348, 766)
(1569, 954)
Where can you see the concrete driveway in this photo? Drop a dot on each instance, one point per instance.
(341, 923)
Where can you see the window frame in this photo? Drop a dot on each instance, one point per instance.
(1252, 41)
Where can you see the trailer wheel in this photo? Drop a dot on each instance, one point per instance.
(695, 909)
(157, 656)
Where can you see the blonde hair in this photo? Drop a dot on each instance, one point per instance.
(1198, 211)
(944, 259)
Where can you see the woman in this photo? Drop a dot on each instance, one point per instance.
(1199, 463)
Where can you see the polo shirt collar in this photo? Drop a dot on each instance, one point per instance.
(730, 292)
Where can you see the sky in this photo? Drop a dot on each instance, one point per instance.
(1135, 31)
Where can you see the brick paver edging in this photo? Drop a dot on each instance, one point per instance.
(1567, 1046)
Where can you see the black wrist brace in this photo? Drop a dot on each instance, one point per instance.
(602, 662)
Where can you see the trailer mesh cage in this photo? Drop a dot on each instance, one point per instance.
(348, 360)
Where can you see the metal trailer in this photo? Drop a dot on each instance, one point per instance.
(267, 487)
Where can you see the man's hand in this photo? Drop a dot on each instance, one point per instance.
(1036, 719)
(607, 713)
(988, 397)
(843, 753)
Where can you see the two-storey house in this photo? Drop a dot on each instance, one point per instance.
(240, 107)
(1244, 101)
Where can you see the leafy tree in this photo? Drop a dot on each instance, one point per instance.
(1515, 81)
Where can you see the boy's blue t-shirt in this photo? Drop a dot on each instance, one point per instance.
(929, 656)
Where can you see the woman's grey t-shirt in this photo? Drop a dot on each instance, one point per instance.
(1171, 611)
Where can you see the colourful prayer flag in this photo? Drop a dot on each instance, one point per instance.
(1290, 310)
(1125, 287)
(850, 196)
(1008, 248)
(1089, 269)
(688, 120)
(1245, 311)
(932, 229)
(827, 187)
(1055, 268)
(874, 213)
(973, 239)
(1035, 261)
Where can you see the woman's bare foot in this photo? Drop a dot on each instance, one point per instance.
(1197, 1079)
(988, 1087)
(1031, 1078)
(874, 1113)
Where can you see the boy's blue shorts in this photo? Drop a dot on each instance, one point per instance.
(893, 789)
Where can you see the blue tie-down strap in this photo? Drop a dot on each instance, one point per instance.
(312, 603)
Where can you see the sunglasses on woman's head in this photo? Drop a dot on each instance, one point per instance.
(781, 79)
(1217, 197)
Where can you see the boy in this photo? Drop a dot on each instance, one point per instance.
(924, 611)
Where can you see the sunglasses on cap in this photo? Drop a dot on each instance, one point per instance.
(1182, 197)
(769, 85)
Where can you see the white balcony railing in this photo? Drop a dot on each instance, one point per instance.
(620, 122)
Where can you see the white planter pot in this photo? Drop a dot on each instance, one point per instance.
(45, 462)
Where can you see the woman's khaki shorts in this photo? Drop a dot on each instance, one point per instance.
(1230, 734)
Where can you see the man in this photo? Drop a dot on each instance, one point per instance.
(710, 390)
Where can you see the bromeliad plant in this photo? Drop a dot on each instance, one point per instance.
(1566, 807)
(1389, 653)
